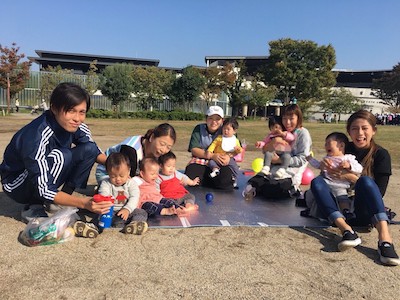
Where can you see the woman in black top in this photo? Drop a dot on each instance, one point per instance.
(369, 188)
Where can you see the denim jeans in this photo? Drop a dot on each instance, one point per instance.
(368, 202)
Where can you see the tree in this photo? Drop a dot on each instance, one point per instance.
(52, 76)
(116, 83)
(151, 85)
(235, 85)
(92, 79)
(339, 101)
(300, 68)
(186, 88)
(260, 95)
(13, 73)
(387, 88)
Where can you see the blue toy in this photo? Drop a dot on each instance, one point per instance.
(209, 197)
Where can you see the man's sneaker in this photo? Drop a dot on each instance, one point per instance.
(87, 230)
(249, 192)
(265, 170)
(33, 211)
(349, 240)
(214, 173)
(135, 227)
(387, 254)
(281, 173)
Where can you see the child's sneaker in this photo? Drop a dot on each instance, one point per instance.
(214, 173)
(387, 254)
(349, 240)
(135, 227)
(281, 173)
(266, 170)
(249, 192)
(87, 230)
(33, 211)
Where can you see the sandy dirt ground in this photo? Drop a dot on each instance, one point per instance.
(196, 263)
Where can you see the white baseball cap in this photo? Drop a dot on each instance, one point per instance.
(215, 110)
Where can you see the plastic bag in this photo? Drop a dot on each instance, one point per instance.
(53, 230)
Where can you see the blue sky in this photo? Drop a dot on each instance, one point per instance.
(364, 33)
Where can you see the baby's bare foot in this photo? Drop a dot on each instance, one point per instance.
(168, 211)
(191, 207)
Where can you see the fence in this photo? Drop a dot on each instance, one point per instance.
(30, 96)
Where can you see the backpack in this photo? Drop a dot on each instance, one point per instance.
(276, 188)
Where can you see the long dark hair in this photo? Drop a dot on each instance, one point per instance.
(368, 161)
(164, 129)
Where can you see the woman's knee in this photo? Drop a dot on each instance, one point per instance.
(317, 184)
(365, 183)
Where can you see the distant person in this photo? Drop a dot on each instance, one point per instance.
(44, 106)
(17, 105)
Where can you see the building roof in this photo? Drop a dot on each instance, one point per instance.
(252, 63)
(80, 62)
(360, 79)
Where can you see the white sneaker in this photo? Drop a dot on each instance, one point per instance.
(249, 192)
(33, 211)
(214, 173)
(266, 170)
(281, 173)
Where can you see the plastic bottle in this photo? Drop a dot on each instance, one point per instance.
(105, 219)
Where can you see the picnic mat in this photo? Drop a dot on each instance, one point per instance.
(228, 208)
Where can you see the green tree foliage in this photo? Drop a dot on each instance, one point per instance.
(187, 88)
(236, 90)
(151, 85)
(12, 70)
(339, 101)
(116, 83)
(387, 88)
(92, 79)
(300, 68)
(52, 76)
(217, 80)
(260, 95)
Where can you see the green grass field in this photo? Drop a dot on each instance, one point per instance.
(251, 130)
(112, 131)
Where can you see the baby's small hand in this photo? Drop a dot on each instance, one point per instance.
(123, 213)
(196, 181)
(345, 165)
(258, 144)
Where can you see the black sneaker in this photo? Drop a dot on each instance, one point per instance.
(349, 240)
(348, 214)
(387, 254)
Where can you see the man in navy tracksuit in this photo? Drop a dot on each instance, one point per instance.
(56, 149)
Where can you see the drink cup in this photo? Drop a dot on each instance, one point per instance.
(105, 219)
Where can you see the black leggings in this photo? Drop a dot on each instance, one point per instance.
(223, 181)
